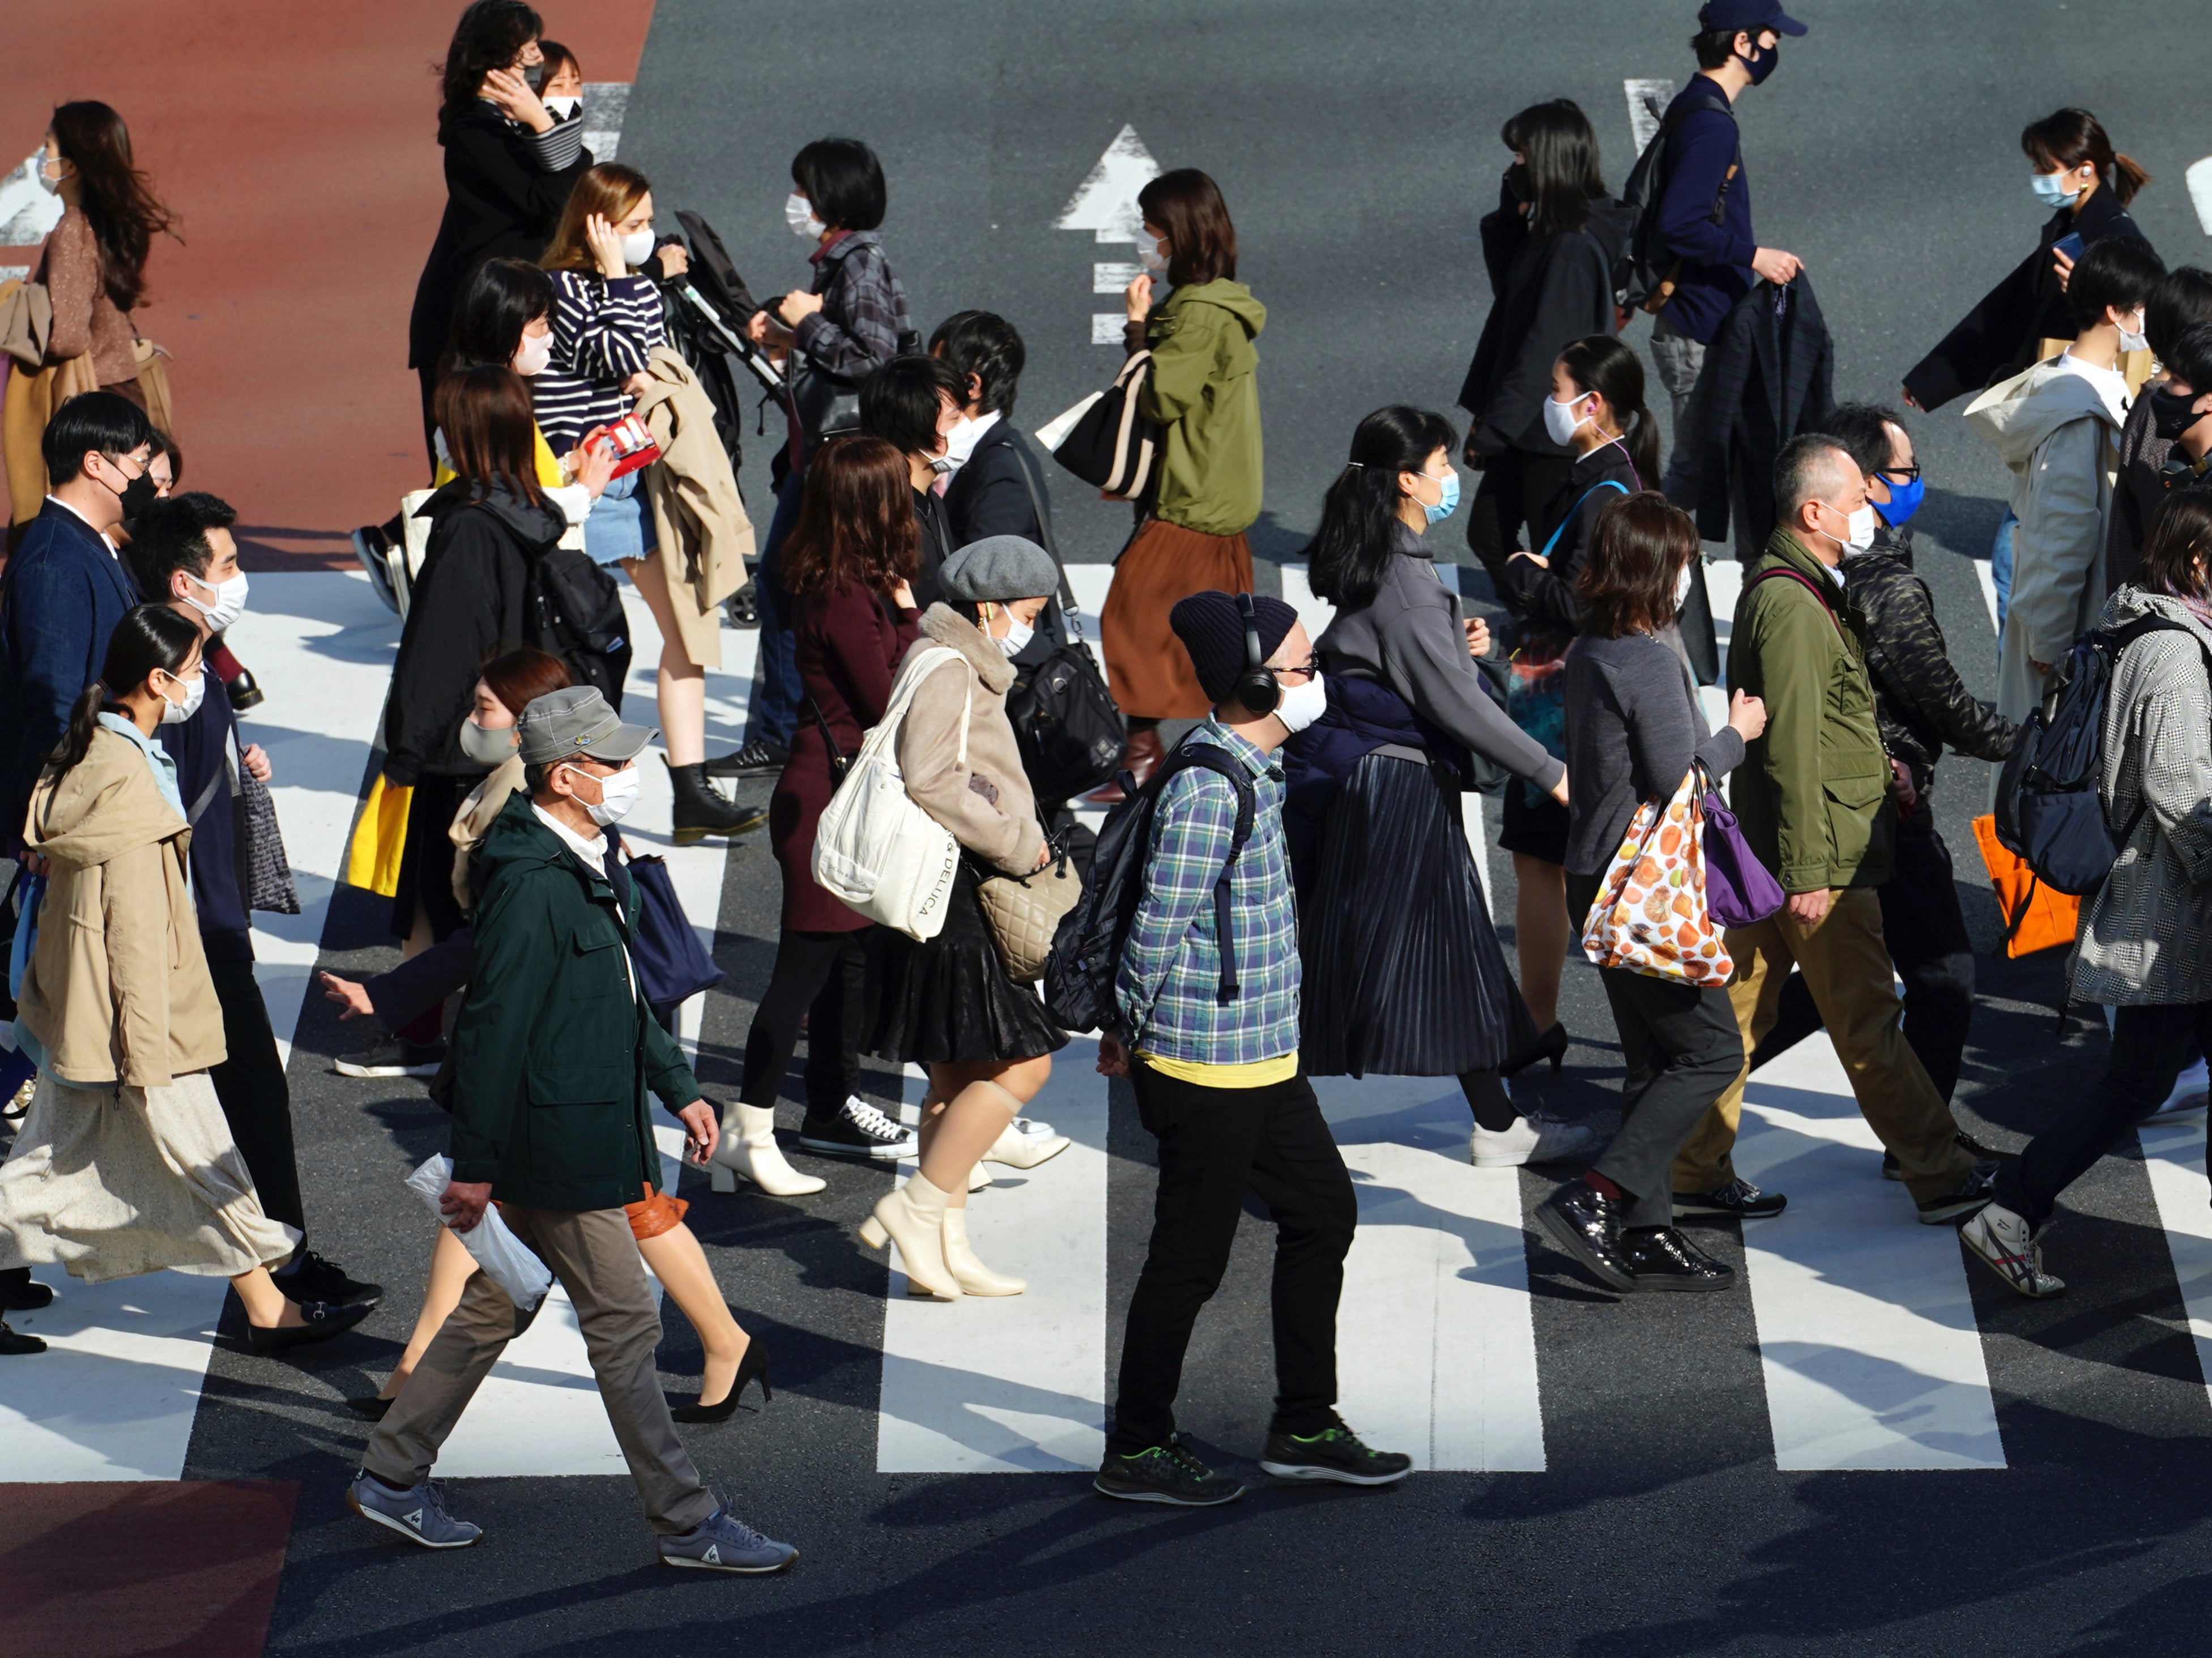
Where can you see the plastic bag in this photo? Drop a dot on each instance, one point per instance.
(513, 1265)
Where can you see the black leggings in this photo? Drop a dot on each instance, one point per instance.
(823, 978)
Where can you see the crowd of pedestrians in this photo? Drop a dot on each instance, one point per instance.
(1284, 888)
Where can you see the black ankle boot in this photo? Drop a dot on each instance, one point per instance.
(700, 810)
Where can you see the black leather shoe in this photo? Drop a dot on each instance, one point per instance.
(311, 1278)
(322, 1321)
(1587, 1225)
(16, 1345)
(758, 758)
(752, 1366)
(1738, 1201)
(1662, 1258)
(245, 692)
(21, 1293)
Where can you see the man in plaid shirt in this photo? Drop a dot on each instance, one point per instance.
(1215, 1062)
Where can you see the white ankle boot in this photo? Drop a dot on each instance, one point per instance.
(748, 1147)
(978, 1177)
(1024, 1144)
(913, 1217)
(973, 1277)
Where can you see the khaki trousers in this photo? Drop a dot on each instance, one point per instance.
(596, 1259)
(1847, 968)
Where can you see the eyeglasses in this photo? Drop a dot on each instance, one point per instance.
(1310, 669)
(1899, 474)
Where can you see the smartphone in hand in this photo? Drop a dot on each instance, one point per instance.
(2070, 244)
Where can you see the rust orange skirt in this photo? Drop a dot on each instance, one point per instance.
(1146, 666)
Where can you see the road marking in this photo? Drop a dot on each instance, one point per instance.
(1016, 1383)
(1436, 1336)
(606, 104)
(1647, 106)
(1105, 204)
(1865, 1328)
(2199, 180)
(1985, 572)
(2173, 1156)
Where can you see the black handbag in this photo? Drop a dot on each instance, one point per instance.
(264, 874)
(1111, 446)
(1065, 723)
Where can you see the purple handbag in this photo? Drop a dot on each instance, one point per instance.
(1739, 891)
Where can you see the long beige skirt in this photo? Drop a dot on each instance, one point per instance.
(114, 1181)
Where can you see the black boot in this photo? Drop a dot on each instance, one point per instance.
(700, 811)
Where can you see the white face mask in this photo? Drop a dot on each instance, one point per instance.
(1862, 532)
(48, 182)
(229, 602)
(1560, 421)
(960, 442)
(1148, 250)
(562, 105)
(535, 353)
(799, 214)
(1019, 635)
(637, 248)
(1682, 584)
(1303, 704)
(2134, 342)
(175, 713)
(617, 794)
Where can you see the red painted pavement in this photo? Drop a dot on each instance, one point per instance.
(297, 144)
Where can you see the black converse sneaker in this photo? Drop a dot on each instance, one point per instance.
(1334, 1454)
(859, 1130)
(1166, 1473)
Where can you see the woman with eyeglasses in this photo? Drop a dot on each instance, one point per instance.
(1403, 975)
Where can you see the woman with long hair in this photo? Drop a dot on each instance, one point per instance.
(1550, 247)
(1204, 393)
(1403, 972)
(125, 1163)
(1633, 729)
(94, 265)
(1595, 407)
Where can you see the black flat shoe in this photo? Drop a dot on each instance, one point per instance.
(1552, 1045)
(1587, 1225)
(371, 1407)
(14, 1344)
(322, 1321)
(753, 1364)
(311, 1278)
(21, 1293)
(1662, 1258)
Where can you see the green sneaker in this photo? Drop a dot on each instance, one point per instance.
(1166, 1473)
(1335, 1453)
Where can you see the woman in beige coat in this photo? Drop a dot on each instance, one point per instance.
(947, 1002)
(125, 1165)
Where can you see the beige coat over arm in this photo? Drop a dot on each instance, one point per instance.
(698, 516)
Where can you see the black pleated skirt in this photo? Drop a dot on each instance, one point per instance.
(948, 999)
(1404, 976)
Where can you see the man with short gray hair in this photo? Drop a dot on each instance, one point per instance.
(1814, 800)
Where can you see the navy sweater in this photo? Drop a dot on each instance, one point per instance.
(1716, 257)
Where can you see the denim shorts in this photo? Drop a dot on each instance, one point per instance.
(620, 525)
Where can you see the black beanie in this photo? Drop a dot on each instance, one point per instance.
(1212, 630)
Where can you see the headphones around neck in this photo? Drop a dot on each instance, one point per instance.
(1256, 687)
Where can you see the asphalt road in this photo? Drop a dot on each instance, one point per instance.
(1357, 149)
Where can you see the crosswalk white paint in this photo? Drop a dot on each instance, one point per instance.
(2173, 1157)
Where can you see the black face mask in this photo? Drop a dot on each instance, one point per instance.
(1516, 182)
(534, 77)
(1762, 61)
(2172, 413)
(137, 496)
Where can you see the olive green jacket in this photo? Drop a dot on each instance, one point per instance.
(1203, 390)
(555, 1047)
(1813, 796)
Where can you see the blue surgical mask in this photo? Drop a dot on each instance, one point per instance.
(1904, 501)
(2051, 189)
(1448, 503)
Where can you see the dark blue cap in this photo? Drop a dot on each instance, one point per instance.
(1748, 16)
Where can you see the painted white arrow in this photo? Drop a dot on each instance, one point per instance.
(2199, 179)
(1105, 204)
(26, 212)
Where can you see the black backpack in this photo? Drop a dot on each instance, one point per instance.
(2048, 809)
(573, 608)
(1087, 950)
(1643, 277)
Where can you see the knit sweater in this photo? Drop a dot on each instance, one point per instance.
(1633, 727)
(85, 318)
(603, 330)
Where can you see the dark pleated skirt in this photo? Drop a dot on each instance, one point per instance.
(948, 999)
(1403, 972)
(426, 859)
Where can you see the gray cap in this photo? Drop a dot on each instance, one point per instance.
(576, 719)
(998, 568)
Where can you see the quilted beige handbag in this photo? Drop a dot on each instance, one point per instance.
(1024, 911)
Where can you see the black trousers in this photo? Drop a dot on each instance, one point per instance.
(1927, 937)
(1683, 1050)
(822, 977)
(1215, 1143)
(256, 1101)
(1514, 487)
(2150, 1046)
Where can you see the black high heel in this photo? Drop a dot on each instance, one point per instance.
(753, 1364)
(1552, 1045)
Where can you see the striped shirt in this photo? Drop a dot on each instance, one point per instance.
(559, 146)
(1169, 987)
(603, 330)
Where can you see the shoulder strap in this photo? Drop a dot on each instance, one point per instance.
(1802, 581)
(1068, 607)
(1212, 757)
(1603, 483)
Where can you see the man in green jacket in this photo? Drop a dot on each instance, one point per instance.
(1814, 800)
(554, 1051)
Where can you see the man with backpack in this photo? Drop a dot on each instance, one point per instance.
(1206, 995)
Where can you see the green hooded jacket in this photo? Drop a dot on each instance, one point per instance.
(555, 1047)
(1813, 796)
(1205, 393)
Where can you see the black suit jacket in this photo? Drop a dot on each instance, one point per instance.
(987, 497)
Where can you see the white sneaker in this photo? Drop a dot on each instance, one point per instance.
(2011, 1247)
(2188, 1095)
(1534, 1138)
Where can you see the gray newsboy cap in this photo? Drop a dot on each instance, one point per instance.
(576, 719)
(998, 568)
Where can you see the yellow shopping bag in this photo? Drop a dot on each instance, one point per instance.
(379, 837)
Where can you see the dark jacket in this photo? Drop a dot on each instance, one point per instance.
(864, 308)
(468, 603)
(1769, 374)
(1544, 598)
(1998, 338)
(555, 1049)
(987, 497)
(2137, 494)
(1363, 714)
(1546, 291)
(205, 749)
(1920, 703)
(499, 205)
(1715, 270)
(63, 593)
(938, 545)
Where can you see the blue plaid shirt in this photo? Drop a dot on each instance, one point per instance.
(1170, 983)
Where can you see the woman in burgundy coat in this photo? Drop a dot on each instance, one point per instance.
(845, 567)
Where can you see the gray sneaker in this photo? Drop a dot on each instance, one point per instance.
(1535, 1139)
(418, 1515)
(722, 1542)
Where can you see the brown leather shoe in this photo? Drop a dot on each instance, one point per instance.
(1140, 758)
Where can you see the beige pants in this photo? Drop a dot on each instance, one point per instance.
(1847, 968)
(595, 1256)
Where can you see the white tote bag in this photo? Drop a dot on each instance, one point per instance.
(875, 849)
